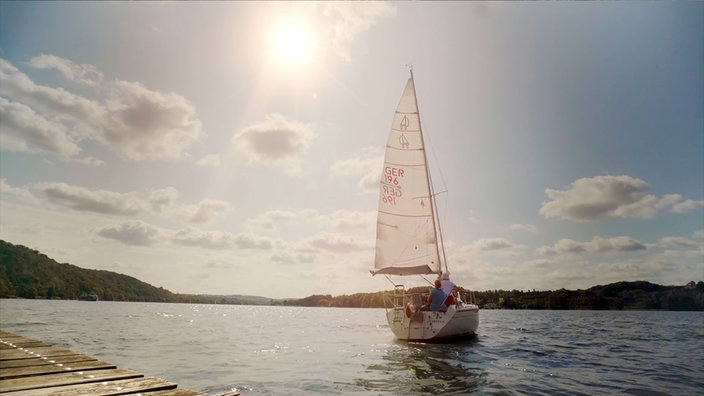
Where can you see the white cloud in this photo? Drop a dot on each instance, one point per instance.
(597, 245)
(660, 268)
(524, 227)
(275, 141)
(7, 190)
(287, 258)
(85, 161)
(352, 220)
(677, 242)
(130, 203)
(220, 240)
(77, 114)
(605, 197)
(26, 131)
(617, 244)
(270, 219)
(342, 220)
(203, 239)
(211, 160)
(687, 206)
(698, 234)
(490, 244)
(281, 215)
(98, 201)
(162, 197)
(537, 263)
(569, 246)
(348, 19)
(149, 124)
(339, 243)
(203, 212)
(135, 233)
(366, 165)
(83, 74)
(138, 122)
(246, 240)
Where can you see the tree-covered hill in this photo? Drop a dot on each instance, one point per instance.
(27, 273)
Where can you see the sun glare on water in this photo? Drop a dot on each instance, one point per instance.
(293, 43)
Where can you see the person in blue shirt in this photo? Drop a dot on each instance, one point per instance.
(436, 299)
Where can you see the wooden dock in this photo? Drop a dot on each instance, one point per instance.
(33, 368)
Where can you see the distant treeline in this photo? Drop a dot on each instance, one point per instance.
(27, 273)
(637, 295)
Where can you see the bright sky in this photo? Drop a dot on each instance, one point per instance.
(236, 147)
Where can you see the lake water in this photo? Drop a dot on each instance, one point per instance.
(262, 350)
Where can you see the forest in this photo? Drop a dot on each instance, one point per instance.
(27, 273)
(637, 295)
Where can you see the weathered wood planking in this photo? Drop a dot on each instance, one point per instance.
(33, 368)
(63, 379)
(25, 353)
(44, 361)
(111, 388)
(25, 344)
(18, 372)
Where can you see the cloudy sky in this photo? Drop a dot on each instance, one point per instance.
(236, 148)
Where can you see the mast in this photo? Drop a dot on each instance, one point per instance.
(433, 203)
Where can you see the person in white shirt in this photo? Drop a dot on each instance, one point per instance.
(447, 287)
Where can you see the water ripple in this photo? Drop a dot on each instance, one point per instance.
(302, 351)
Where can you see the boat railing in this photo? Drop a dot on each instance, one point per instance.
(467, 297)
(399, 296)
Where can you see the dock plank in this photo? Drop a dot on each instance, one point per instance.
(64, 379)
(31, 367)
(15, 339)
(45, 361)
(27, 353)
(112, 388)
(18, 372)
(176, 392)
(23, 344)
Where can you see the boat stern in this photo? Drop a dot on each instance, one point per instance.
(457, 321)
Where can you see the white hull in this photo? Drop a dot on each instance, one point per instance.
(460, 320)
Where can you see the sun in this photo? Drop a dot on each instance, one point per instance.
(293, 43)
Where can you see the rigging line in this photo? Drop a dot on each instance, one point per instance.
(429, 282)
(389, 278)
(437, 228)
(428, 144)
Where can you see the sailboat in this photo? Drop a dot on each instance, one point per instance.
(408, 234)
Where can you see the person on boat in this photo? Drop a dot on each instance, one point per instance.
(448, 286)
(436, 298)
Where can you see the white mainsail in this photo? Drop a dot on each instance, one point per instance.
(406, 239)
